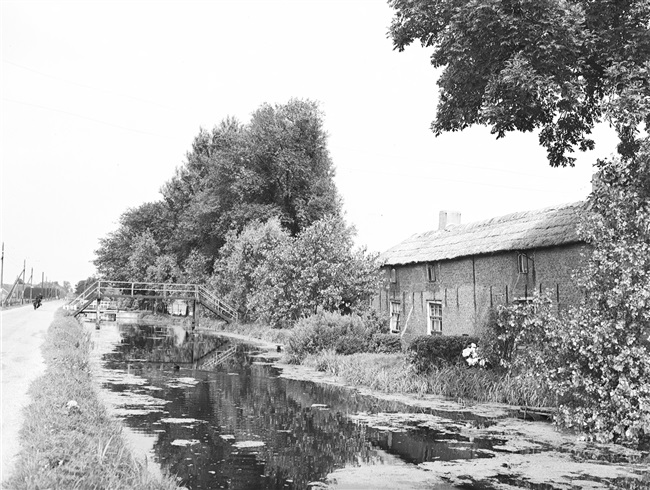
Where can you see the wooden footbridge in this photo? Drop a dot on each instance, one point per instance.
(103, 297)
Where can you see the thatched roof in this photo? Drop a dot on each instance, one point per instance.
(555, 225)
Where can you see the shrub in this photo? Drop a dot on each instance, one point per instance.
(386, 343)
(517, 335)
(426, 352)
(343, 334)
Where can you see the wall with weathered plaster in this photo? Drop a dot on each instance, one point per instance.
(467, 288)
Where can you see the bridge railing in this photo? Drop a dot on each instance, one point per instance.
(104, 288)
(218, 306)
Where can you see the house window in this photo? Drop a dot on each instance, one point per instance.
(522, 263)
(393, 275)
(433, 270)
(395, 311)
(434, 317)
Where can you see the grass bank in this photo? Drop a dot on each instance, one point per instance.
(68, 439)
(391, 373)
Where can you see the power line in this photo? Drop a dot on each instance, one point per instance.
(90, 87)
(82, 117)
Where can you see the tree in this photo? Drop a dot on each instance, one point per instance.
(291, 165)
(275, 166)
(559, 66)
(245, 258)
(143, 255)
(316, 270)
(604, 380)
(84, 284)
(112, 256)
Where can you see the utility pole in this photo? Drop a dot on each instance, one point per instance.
(42, 283)
(22, 299)
(31, 284)
(2, 269)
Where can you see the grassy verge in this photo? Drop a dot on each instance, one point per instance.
(391, 373)
(68, 440)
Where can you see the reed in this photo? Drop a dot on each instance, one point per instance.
(391, 373)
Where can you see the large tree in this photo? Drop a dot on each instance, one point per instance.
(275, 166)
(557, 66)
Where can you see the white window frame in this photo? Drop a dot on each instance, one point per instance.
(434, 321)
(395, 314)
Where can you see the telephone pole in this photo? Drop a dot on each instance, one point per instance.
(2, 268)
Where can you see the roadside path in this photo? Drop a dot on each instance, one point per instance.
(23, 333)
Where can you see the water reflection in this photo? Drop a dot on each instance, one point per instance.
(240, 426)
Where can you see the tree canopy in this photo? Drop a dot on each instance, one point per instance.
(276, 166)
(557, 66)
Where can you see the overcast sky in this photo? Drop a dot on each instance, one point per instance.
(101, 102)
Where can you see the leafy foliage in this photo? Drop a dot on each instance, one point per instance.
(84, 284)
(276, 166)
(604, 383)
(426, 352)
(274, 277)
(554, 65)
(244, 262)
(318, 269)
(595, 358)
(340, 334)
(515, 337)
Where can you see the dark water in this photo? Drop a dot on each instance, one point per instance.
(246, 428)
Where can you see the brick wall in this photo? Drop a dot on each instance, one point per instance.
(466, 288)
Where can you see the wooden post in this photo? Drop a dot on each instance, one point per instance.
(193, 314)
(98, 315)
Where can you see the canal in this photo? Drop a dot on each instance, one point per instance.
(240, 425)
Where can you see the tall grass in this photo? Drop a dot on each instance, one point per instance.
(67, 445)
(391, 373)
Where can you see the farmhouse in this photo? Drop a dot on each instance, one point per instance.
(445, 281)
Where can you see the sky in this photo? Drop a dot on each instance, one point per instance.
(100, 102)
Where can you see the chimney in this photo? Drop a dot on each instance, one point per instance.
(447, 218)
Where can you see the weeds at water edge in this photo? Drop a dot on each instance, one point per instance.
(391, 373)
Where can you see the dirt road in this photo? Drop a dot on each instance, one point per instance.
(23, 332)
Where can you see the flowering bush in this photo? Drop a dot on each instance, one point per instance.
(604, 379)
(472, 357)
(516, 336)
(426, 352)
